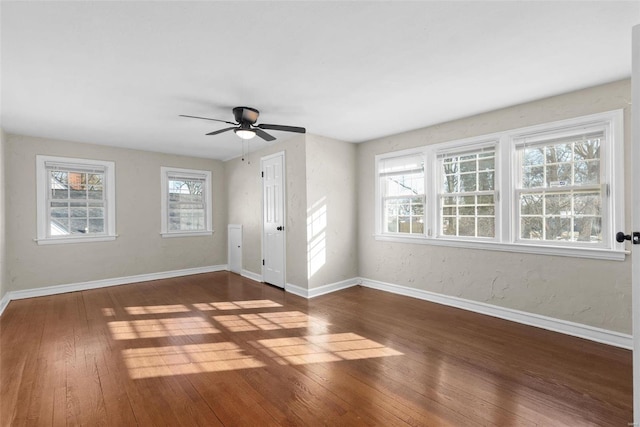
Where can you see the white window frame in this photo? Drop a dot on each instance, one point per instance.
(165, 172)
(466, 146)
(379, 215)
(507, 178)
(42, 209)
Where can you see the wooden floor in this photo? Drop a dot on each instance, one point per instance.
(217, 349)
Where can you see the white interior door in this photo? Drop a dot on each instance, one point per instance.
(273, 219)
(234, 232)
(635, 185)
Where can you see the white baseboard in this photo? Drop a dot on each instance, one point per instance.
(296, 290)
(592, 333)
(95, 284)
(333, 287)
(321, 290)
(4, 302)
(251, 275)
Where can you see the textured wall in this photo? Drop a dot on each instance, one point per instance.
(3, 243)
(245, 206)
(596, 293)
(139, 249)
(331, 211)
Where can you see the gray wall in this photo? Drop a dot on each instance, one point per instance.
(139, 249)
(320, 174)
(596, 293)
(3, 243)
(332, 244)
(245, 206)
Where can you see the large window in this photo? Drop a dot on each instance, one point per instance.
(560, 196)
(186, 202)
(76, 200)
(555, 188)
(402, 189)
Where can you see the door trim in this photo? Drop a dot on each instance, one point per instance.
(284, 214)
(229, 228)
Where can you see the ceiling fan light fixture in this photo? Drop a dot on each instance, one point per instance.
(245, 133)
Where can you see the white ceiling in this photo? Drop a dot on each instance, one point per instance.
(120, 73)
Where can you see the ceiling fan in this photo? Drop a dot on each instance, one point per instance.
(245, 126)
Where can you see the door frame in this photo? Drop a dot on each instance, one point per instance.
(635, 215)
(284, 214)
(229, 228)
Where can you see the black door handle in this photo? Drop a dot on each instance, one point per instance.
(280, 228)
(621, 237)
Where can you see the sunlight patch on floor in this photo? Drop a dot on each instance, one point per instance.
(267, 321)
(237, 305)
(156, 309)
(157, 328)
(186, 359)
(322, 348)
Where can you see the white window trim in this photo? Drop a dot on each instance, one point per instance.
(507, 168)
(378, 194)
(165, 171)
(42, 187)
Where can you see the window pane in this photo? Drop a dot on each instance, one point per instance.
(558, 229)
(531, 228)
(59, 212)
(75, 196)
(486, 227)
(468, 173)
(95, 192)
(402, 190)
(96, 225)
(558, 204)
(588, 229)
(78, 226)
(531, 204)
(449, 226)
(556, 212)
(533, 176)
(568, 161)
(587, 172)
(59, 227)
(96, 213)
(587, 203)
(467, 226)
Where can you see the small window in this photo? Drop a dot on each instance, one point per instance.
(402, 185)
(186, 202)
(468, 194)
(76, 200)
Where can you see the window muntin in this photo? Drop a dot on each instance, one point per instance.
(76, 200)
(187, 208)
(402, 189)
(467, 197)
(186, 202)
(565, 197)
(560, 196)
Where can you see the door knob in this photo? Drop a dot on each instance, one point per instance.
(621, 237)
(280, 228)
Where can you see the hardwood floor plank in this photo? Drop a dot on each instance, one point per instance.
(218, 349)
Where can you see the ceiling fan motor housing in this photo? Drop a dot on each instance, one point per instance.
(246, 115)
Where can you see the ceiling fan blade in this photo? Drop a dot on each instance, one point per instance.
(262, 134)
(215, 132)
(206, 118)
(282, 127)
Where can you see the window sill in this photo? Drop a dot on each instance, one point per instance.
(186, 234)
(592, 253)
(68, 240)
